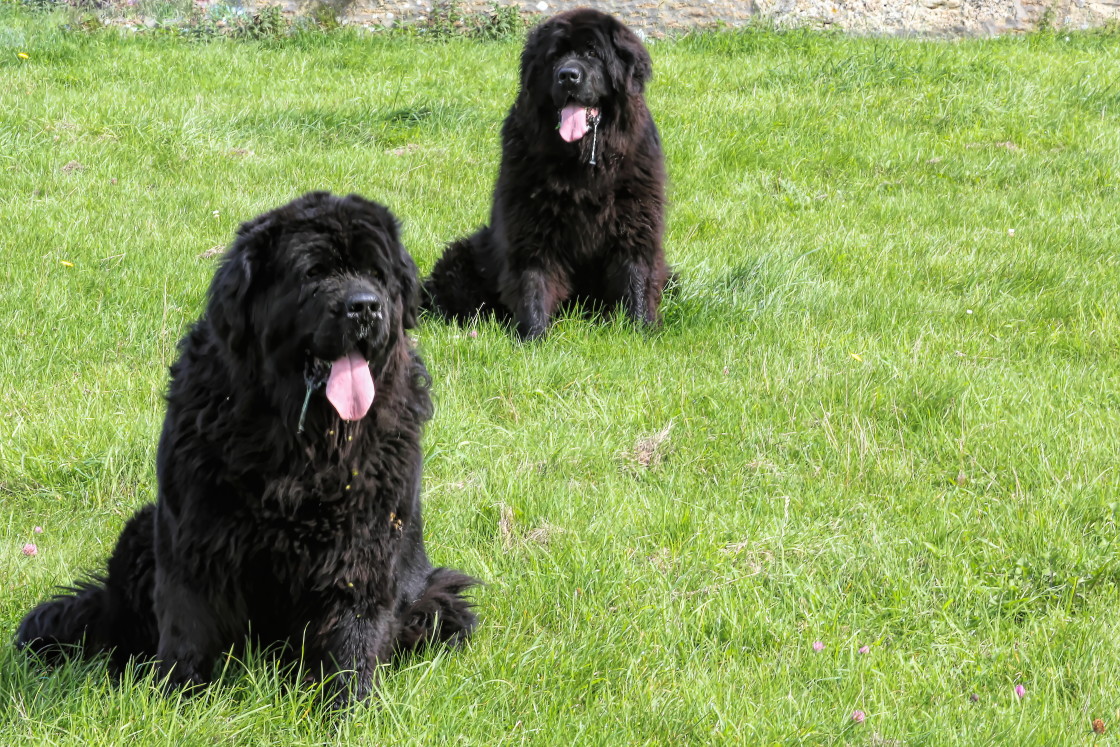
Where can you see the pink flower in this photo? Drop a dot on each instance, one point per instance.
(30, 550)
(858, 716)
(1020, 690)
(818, 645)
(865, 649)
(473, 333)
(37, 530)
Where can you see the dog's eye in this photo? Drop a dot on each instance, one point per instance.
(315, 271)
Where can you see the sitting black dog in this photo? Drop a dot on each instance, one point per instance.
(578, 211)
(289, 471)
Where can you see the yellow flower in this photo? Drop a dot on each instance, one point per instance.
(65, 263)
(24, 56)
(856, 356)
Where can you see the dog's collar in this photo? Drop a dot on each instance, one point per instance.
(315, 373)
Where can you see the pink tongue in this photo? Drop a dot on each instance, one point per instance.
(350, 387)
(573, 123)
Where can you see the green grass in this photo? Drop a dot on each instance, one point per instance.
(872, 417)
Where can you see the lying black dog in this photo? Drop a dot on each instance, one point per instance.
(289, 470)
(579, 204)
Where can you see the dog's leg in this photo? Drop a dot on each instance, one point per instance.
(534, 294)
(636, 286)
(356, 643)
(637, 292)
(532, 309)
(637, 272)
(192, 632)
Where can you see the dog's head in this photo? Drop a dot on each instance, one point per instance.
(320, 290)
(583, 65)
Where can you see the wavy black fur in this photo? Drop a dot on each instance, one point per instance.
(310, 539)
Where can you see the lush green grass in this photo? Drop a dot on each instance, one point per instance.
(873, 416)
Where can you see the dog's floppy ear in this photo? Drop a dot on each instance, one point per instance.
(410, 289)
(228, 311)
(531, 56)
(635, 57)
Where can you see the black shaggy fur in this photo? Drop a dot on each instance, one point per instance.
(308, 539)
(562, 227)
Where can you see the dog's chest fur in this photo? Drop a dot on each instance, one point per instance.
(340, 511)
(326, 523)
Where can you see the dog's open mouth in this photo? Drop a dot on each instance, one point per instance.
(350, 386)
(576, 120)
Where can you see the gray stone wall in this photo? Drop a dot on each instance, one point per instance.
(894, 17)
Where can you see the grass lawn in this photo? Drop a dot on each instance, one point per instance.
(883, 411)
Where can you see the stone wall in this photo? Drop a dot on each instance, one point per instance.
(895, 17)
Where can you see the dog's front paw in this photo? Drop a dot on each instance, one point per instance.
(530, 332)
(180, 677)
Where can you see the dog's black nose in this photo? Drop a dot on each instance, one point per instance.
(363, 304)
(569, 75)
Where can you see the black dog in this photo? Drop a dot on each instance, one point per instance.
(289, 492)
(579, 203)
